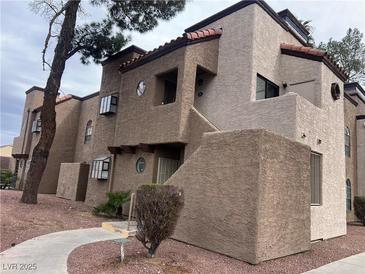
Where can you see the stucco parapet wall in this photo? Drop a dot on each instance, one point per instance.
(17, 146)
(236, 203)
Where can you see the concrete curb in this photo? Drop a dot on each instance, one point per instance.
(351, 265)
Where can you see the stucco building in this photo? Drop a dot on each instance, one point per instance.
(239, 112)
(7, 162)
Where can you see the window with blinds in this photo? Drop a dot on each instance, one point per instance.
(100, 168)
(108, 105)
(316, 183)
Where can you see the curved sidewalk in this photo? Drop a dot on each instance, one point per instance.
(351, 265)
(49, 253)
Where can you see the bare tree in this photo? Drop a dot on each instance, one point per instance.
(48, 113)
(97, 41)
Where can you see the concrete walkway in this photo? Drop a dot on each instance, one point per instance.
(47, 254)
(351, 265)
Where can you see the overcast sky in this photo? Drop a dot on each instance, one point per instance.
(23, 32)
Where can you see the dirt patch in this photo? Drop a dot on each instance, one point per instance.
(20, 222)
(179, 258)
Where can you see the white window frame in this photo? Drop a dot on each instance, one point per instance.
(36, 126)
(100, 168)
(108, 105)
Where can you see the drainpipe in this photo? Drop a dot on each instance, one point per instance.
(111, 180)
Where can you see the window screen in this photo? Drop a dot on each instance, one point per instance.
(315, 179)
(108, 104)
(100, 168)
(348, 195)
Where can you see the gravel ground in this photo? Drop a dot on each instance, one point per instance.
(20, 222)
(177, 257)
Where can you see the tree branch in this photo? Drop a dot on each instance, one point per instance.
(49, 34)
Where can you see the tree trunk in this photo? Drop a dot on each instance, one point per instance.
(152, 249)
(48, 114)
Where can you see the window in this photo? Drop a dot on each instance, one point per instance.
(141, 87)
(88, 132)
(108, 105)
(166, 88)
(347, 142)
(36, 126)
(100, 168)
(140, 165)
(315, 178)
(265, 89)
(348, 195)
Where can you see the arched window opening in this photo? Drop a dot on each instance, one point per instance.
(348, 195)
(347, 142)
(88, 132)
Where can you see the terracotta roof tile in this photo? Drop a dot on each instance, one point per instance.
(315, 54)
(179, 41)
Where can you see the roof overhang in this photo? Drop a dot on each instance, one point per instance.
(20, 156)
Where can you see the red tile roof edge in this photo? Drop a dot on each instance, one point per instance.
(186, 38)
(317, 55)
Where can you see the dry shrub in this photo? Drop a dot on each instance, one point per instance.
(157, 210)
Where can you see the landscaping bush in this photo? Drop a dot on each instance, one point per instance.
(113, 208)
(359, 207)
(7, 178)
(5, 175)
(157, 210)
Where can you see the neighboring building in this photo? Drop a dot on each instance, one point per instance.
(6, 161)
(354, 144)
(239, 112)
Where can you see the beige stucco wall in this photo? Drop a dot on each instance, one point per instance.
(350, 112)
(89, 111)
(72, 181)
(360, 126)
(139, 119)
(198, 125)
(235, 187)
(63, 146)
(324, 131)
(21, 144)
(244, 51)
(6, 150)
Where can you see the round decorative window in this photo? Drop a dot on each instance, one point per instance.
(335, 91)
(141, 87)
(140, 165)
